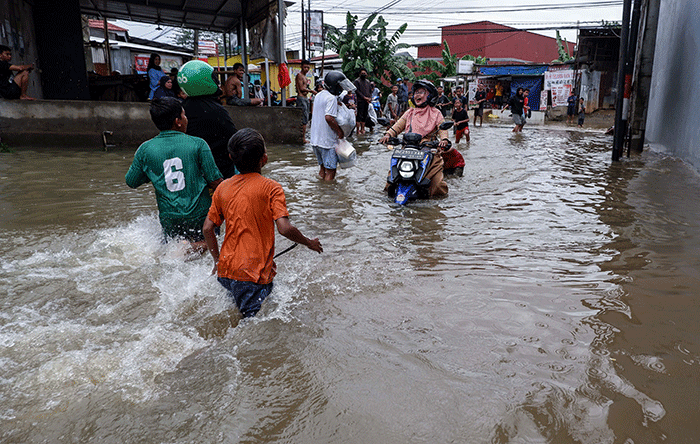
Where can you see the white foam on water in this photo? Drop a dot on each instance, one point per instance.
(112, 309)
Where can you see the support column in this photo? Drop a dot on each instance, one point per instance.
(644, 64)
(244, 59)
(282, 53)
(620, 115)
(59, 41)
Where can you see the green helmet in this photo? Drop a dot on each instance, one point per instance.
(196, 78)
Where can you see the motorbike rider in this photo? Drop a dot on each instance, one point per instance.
(425, 120)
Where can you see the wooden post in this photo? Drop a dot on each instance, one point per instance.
(108, 51)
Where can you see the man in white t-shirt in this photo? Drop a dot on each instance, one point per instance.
(325, 131)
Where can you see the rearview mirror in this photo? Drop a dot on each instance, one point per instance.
(446, 125)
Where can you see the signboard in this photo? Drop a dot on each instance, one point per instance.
(558, 78)
(560, 83)
(315, 30)
(465, 66)
(207, 47)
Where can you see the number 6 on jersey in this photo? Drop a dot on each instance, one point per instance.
(174, 179)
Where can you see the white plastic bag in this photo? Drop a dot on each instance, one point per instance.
(372, 113)
(346, 153)
(345, 119)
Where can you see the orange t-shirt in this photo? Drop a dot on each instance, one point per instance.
(250, 204)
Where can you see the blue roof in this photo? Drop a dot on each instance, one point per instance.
(513, 70)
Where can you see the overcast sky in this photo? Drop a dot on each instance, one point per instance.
(425, 17)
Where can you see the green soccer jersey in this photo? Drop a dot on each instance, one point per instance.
(180, 168)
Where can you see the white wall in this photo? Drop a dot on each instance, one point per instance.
(673, 118)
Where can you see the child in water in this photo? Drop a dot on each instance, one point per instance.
(181, 169)
(251, 205)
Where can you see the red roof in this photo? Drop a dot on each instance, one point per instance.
(100, 25)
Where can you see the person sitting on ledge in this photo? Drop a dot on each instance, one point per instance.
(233, 89)
(13, 88)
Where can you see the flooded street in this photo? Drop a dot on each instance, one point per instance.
(550, 298)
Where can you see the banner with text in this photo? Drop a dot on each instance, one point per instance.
(315, 30)
(560, 83)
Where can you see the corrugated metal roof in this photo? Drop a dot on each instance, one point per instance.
(211, 15)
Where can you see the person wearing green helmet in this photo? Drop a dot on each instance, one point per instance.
(207, 118)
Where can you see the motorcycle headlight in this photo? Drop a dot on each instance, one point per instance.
(406, 169)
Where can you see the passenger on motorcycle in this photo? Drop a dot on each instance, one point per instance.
(424, 119)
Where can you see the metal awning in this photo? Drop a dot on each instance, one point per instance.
(209, 15)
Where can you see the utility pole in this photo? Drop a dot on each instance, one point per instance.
(303, 32)
(620, 117)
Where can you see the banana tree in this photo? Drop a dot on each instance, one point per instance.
(433, 69)
(369, 46)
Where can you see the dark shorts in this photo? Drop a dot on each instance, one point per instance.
(570, 110)
(247, 295)
(189, 229)
(303, 103)
(10, 91)
(362, 108)
(498, 100)
(479, 111)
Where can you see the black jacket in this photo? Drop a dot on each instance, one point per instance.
(210, 121)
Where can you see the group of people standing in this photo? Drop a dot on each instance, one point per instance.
(166, 85)
(162, 84)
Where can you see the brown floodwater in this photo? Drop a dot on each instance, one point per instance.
(550, 298)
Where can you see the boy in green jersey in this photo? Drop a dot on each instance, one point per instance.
(181, 169)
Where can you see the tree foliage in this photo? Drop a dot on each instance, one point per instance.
(369, 46)
(185, 38)
(433, 69)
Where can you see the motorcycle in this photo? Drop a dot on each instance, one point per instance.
(409, 166)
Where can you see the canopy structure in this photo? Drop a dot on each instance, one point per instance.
(209, 15)
(513, 70)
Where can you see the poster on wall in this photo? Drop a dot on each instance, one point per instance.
(543, 100)
(141, 63)
(560, 94)
(560, 83)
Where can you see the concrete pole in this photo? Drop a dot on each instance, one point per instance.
(620, 119)
(644, 64)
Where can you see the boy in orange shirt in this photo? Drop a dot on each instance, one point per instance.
(252, 206)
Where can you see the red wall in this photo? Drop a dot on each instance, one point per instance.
(489, 40)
